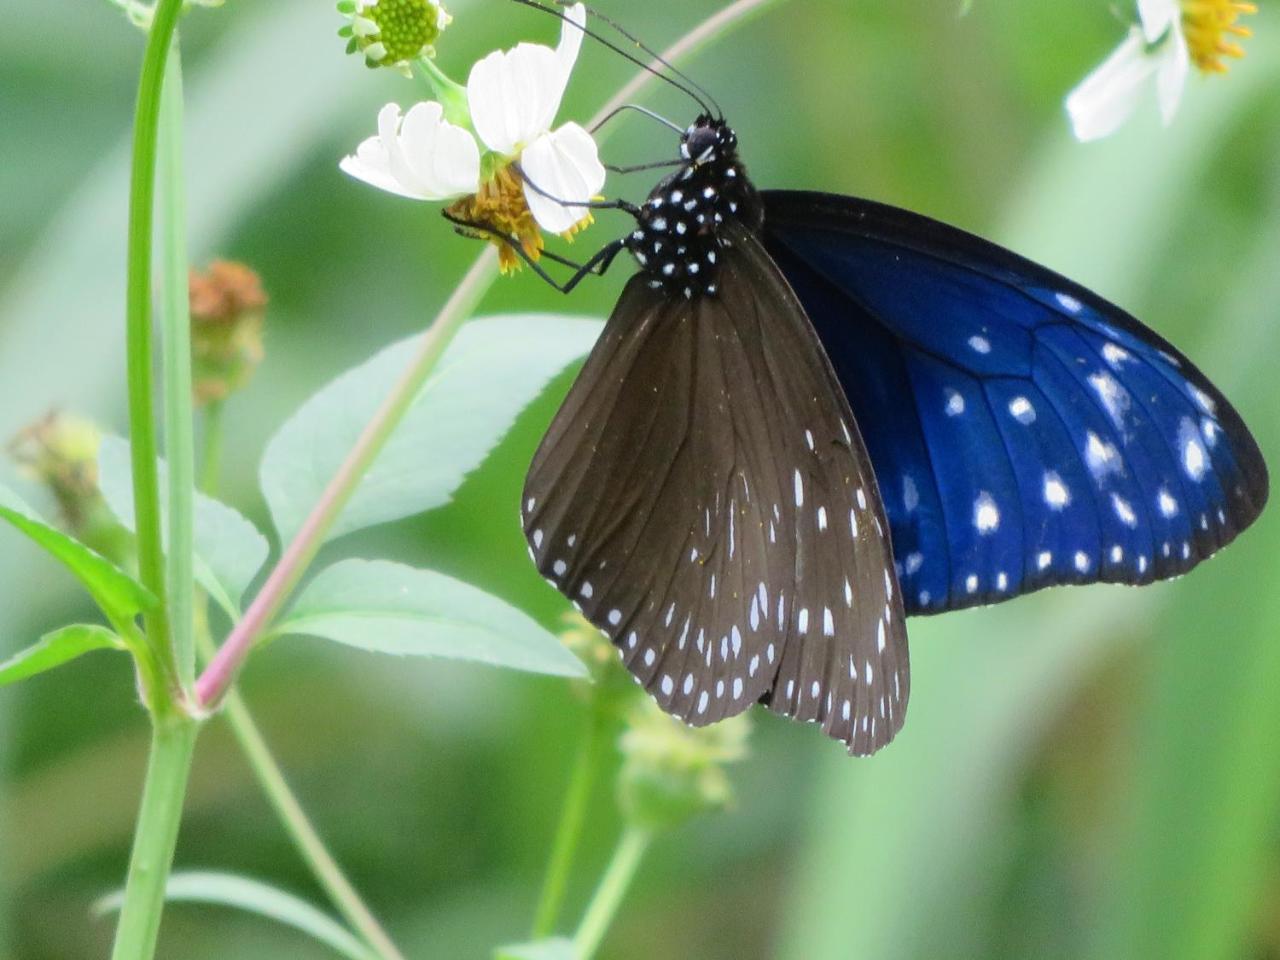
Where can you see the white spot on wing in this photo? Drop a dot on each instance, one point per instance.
(1020, 409)
(979, 344)
(1056, 494)
(955, 403)
(986, 515)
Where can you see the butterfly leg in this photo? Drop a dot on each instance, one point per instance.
(636, 167)
(638, 109)
(597, 265)
(624, 205)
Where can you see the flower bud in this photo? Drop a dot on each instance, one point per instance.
(392, 33)
(611, 687)
(227, 305)
(671, 771)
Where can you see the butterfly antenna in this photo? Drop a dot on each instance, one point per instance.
(689, 91)
(649, 51)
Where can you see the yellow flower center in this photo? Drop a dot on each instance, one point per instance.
(500, 206)
(1209, 26)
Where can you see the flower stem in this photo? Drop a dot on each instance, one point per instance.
(211, 451)
(326, 870)
(142, 427)
(173, 741)
(613, 887)
(218, 676)
(590, 753)
(178, 416)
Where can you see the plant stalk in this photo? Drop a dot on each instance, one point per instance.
(217, 677)
(173, 741)
(613, 887)
(178, 412)
(572, 816)
(324, 867)
(142, 426)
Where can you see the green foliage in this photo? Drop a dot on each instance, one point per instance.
(556, 948)
(256, 897)
(119, 595)
(490, 372)
(56, 648)
(390, 608)
(229, 549)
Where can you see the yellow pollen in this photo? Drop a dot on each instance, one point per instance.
(500, 205)
(1209, 26)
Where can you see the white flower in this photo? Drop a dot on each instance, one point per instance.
(423, 157)
(1155, 50)
(513, 97)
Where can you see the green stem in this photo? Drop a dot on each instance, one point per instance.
(211, 452)
(142, 427)
(178, 415)
(572, 816)
(173, 741)
(613, 887)
(324, 868)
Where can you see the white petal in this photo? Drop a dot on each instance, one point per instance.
(1107, 96)
(424, 157)
(1171, 76)
(566, 165)
(444, 158)
(370, 164)
(1158, 16)
(571, 34)
(513, 96)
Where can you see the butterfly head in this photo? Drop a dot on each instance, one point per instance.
(678, 238)
(706, 139)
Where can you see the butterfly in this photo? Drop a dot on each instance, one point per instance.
(810, 416)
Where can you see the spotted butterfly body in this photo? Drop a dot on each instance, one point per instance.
(810, 415)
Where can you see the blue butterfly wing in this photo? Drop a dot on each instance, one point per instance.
(1024, 432)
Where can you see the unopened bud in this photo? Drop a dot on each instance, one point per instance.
(227, 307)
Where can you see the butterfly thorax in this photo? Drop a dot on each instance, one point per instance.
(679, 231)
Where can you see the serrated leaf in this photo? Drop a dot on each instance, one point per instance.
(491, 371)
(557, 948)
(118, 594)
(229, 549)
(391, 608)
(56, 648)
(253, 896)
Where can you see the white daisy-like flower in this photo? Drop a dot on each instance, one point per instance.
(1170, 36)
(512, 97)
(1154, 51)
(422, 156)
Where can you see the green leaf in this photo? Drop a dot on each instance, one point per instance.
(558, 948)
(118, 594)
(253, 896)
(390, 608)
(56, 648)
(491, 371)
(229, 549)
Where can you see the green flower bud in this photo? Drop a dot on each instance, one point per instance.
(392, 33)
(671, 772)
(60, 452)
(227, 306)
(611, 687)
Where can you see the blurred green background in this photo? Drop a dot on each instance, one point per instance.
(1084, 773)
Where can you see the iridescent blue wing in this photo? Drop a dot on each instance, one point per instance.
(1024, 431)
